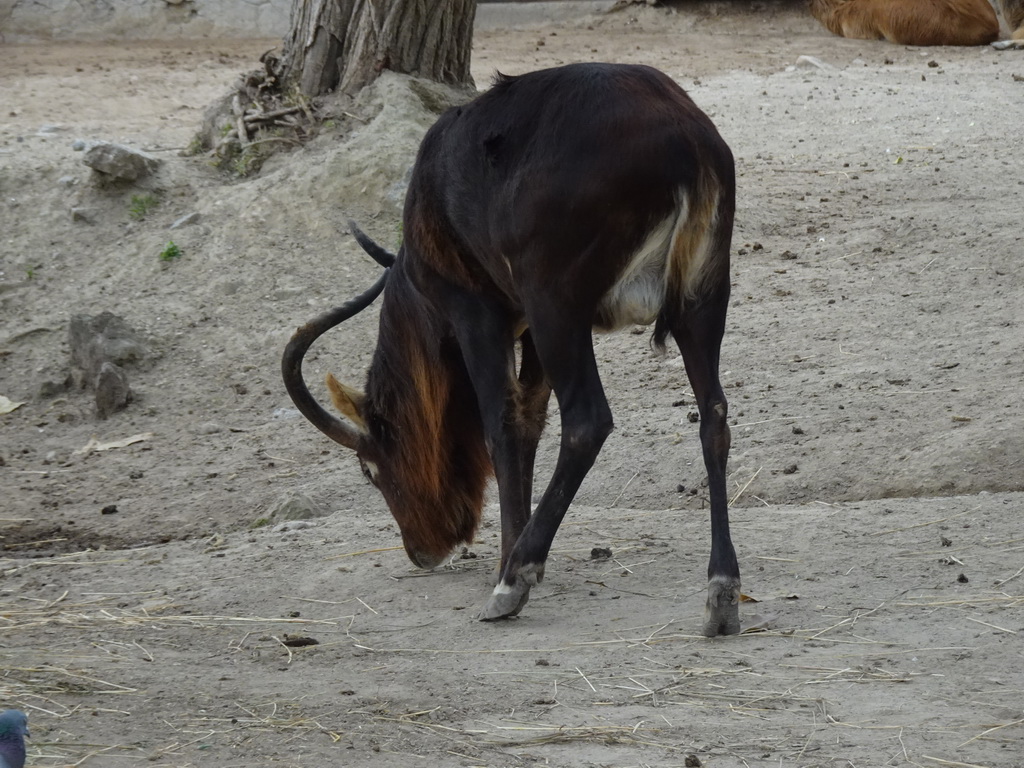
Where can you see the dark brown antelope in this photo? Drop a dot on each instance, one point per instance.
(586, 196)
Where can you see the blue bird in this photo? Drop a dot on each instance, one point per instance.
(13, 730)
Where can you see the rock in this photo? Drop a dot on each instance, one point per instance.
(103, 338)
(292, 525)
(67, 181)
(811, 62)
(120, 162)
(9, 406)
(100, 346)
(50, 389)
(82, 214)
(294, 506)
(112, 391)
(189, 218)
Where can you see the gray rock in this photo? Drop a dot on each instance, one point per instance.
(82, 214)
(104, 337)
(294, 506)
(120, 162)
(112, 391)
(811, 62)
(99, 346)
(292, 525)
(52, 388)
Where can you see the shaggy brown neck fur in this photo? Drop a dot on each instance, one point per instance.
(422, 420)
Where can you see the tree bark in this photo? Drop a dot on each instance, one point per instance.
(343, 45)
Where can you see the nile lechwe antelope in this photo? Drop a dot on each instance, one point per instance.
(589, 196)
(1013, 14)
(920, 22)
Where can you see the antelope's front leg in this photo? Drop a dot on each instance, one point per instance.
(586, 422)
(507, 407)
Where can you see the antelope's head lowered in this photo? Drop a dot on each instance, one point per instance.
(415, 429)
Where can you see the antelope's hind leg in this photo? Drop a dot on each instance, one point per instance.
(698, 333)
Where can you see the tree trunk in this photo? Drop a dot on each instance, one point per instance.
(342, 45)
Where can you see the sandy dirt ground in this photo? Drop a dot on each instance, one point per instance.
(873, 364)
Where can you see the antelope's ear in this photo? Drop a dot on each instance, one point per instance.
(347, 400)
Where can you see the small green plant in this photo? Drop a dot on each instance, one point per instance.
(170, 252)
(250, 160)
(142, 205)
(246, 162)
(30, 272)
(259, 523)
(195, 147)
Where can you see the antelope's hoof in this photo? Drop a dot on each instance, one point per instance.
(722, 612)
(505, 601)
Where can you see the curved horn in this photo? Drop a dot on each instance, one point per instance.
(291, 365)
(383, 257)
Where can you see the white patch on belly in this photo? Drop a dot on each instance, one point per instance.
(639, 293)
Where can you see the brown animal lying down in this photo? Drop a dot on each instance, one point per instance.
(919, 22)
(1013, 12)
